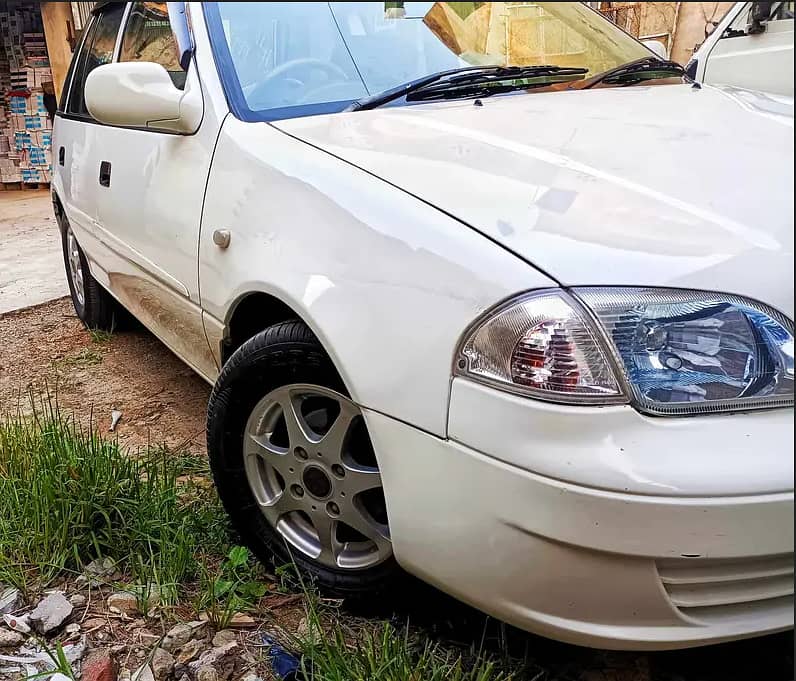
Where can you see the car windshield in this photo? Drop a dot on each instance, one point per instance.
(299, 58)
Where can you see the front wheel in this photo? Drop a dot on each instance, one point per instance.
(294, 465)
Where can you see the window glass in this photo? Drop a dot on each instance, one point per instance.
(148, 37)
(97, 50)
(292, 55)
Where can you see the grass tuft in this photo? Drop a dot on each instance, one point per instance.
(68, 496)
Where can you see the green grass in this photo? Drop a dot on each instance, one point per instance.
(68, 496)
(392, 655)
(87, 357)
(100, 336)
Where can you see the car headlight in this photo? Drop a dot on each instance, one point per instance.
(668, 351)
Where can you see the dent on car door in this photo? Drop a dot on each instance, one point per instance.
(149, 205)
(756, 50)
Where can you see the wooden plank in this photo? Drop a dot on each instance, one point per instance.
(58, 28)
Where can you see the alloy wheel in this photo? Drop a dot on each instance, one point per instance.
(311, 467)
(75, 266)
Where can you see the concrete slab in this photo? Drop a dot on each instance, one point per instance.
(31, 264)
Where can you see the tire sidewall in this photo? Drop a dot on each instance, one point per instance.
(257, 368)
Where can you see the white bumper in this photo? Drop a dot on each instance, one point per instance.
(589, 566)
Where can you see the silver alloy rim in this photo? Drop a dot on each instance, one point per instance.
(75, 267)
(311, 468)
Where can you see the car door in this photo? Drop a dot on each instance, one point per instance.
(150, 188)
(755, 60)
(78, 138)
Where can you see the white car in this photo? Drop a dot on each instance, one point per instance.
(751, 47)
(524, 332)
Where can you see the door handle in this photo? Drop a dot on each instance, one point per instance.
(61, 156)
(105, 174)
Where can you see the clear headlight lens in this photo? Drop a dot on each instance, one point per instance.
(670, 351)
(690, 351)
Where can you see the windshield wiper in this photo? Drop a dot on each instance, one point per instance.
(454, 83)
(647, 68)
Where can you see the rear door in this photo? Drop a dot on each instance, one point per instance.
(77, 137)
(758, 61)
(150, 202)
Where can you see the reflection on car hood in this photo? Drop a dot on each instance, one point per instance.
(663, 185)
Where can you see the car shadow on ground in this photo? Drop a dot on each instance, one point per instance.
(766, 658)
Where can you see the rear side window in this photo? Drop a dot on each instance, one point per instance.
(148, 37)
(97, 49)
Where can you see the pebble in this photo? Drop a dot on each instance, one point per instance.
(20, 623)
(207, 673)
(162, 664)
(10, 639)
(50, 613)
(72, 629)
(223, 637)
(77, 600)
(176, 637)
(123, 602)
(190, 651)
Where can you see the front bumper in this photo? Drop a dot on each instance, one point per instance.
(589, 566)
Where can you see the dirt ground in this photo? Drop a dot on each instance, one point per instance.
(31, 266)
(46, 349)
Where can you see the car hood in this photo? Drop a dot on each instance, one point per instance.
(664, 185)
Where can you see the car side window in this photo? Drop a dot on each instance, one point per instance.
(148, 37)
(97, 50)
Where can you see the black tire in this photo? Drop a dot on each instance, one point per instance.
(283, 354)
(98, 309)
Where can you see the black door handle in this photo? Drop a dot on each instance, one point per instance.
(61, 155)
(105, 174)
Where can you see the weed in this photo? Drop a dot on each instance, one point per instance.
(84, 358)
(230, 589)
(67, 496)
(100, 335)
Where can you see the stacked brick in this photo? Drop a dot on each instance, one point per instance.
(25, 127)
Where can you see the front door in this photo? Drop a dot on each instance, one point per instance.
(150, 204)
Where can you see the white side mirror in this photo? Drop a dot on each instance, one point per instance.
(657, 47)
(142, 95)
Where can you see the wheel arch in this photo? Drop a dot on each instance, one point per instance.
(256, 310)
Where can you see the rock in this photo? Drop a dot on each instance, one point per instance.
(77, 600)
(10, 599)
(162, 664)
(10, 639)
(176, 637)
(50, 613)
(223, 637)
(190, 651)
(124, 675)
(99, 666)
(222, 659)
(72, 629)
(100, 568)
(207, 673)
(242, 621)
(123, 602)
(198, 628)
(144, 674)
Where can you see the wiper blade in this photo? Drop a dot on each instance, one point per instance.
(646, 68)
(468, 75)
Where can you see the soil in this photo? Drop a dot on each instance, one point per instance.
(46, 350)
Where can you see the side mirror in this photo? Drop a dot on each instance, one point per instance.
(657, 47)
(142, 95)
